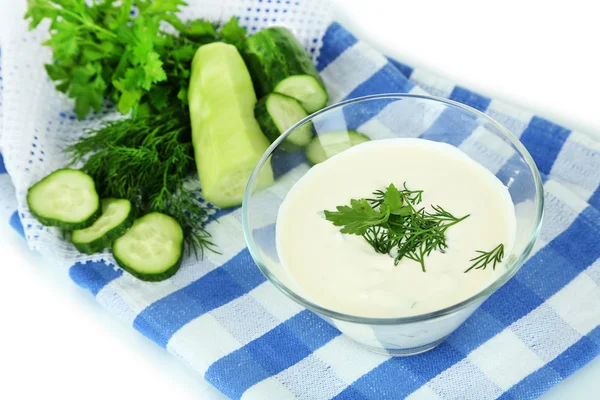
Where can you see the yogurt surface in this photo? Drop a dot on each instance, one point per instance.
(344, 273)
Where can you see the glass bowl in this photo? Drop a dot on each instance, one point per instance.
(389, 116)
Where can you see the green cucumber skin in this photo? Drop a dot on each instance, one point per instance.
(274, 54)
(106, 240)
(265, 121)
(58, 223)
(65, 225)
(166, 274)
(268, 126)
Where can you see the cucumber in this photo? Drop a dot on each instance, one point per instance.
(279, 63)
(66, 198)
(276, 113)
(227, 139)
(328, 144)
(309, 90)
(151, 249)
(117, 217)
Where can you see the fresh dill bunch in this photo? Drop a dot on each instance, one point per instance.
(147, 160)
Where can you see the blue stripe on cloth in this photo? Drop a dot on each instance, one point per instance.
(403, 68)
(511, 302)
(595, 335)
(221, 212)
(469, 98)
(570, 253)
(16, 224)
(534, 385)
(398, 377)
(335, 41)
(2, 166)
(567, 362)
(452, 126)
(357, 114)
(544, 140)
(385, 80)
(93, 275)
(595, 199)
(475, 331)
(163, 318)
(275, 351)
(575, 357)
(282, 161)
(520, 189)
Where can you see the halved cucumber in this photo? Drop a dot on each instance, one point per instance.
(278, 63)
(309, 91)
(276, 113)
(227, 139)
(151, 250)
(328, 144)
(117, 217)
(66, 198)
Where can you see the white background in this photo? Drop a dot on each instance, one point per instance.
(56, 341)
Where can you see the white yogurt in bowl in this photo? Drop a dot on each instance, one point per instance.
(354, 284)
(345, 274)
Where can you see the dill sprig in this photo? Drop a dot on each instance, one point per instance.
(485, 258)
(410, 233)
(423, 232)
(148, 160)
(412, 196)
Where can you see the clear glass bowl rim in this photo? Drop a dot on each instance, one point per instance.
(510, 271)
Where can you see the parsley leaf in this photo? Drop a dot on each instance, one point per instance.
(162, 6)
(233, 33)
(88, 88)
(393, 200)
(39, 10)
(356, 218)
(101, 50)
(198, 28)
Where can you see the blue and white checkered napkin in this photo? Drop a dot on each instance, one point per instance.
(223, 318)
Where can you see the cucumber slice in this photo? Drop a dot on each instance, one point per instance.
(117, 217)
(279, 63)
(276, 113)
(309, 91)
(151, 250)
(328, 144)
(66, 198)
(227, 139)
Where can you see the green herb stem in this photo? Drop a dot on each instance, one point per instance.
(485, 258)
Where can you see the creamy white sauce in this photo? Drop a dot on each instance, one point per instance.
(343, 272)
